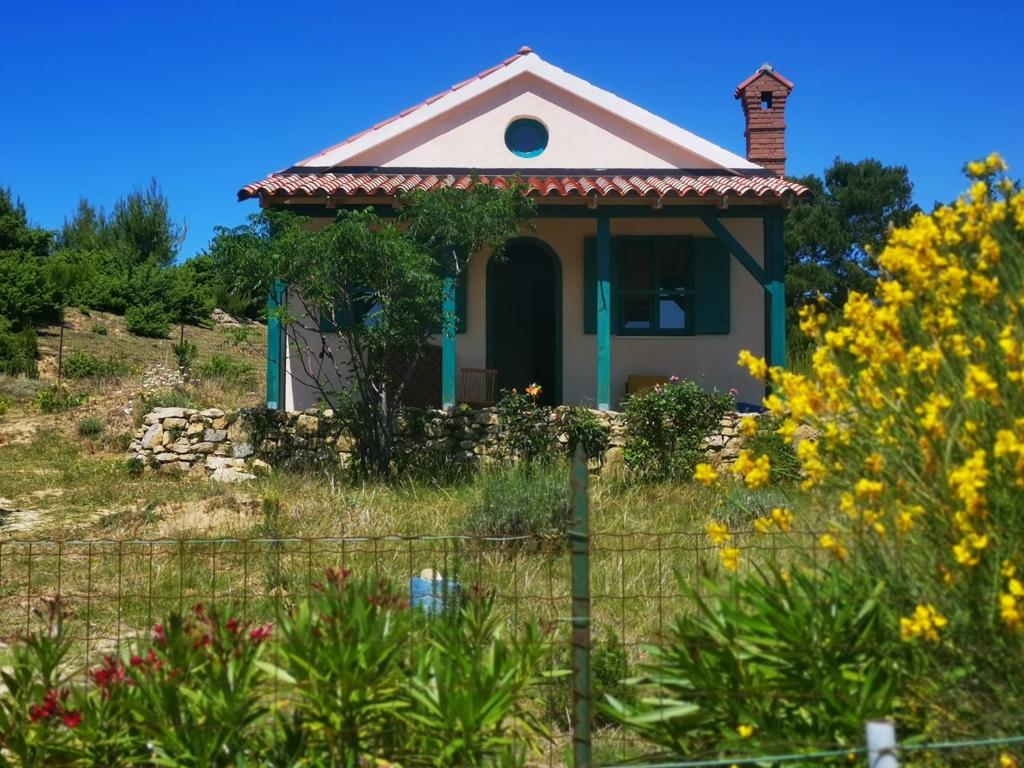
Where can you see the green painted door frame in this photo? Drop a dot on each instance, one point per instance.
(604, 313)
(556, 263)
(448, 346)
(277, 297)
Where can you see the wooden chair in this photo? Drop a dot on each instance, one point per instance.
(477, 387)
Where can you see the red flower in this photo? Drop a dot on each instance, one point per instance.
(136, 660)
(160, 635)
(71, 719)
(202, 642)
(261, 633)
(232, 626)
(51, 706)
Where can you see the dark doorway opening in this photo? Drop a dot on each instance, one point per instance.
(524, 319)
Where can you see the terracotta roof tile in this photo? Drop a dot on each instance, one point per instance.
(324, 184)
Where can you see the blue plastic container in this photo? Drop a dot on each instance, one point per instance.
(432, 594)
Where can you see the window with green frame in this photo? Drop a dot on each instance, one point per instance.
(662, 286)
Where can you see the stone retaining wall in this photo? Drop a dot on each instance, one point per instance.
(234, 447)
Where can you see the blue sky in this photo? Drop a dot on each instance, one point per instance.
(206, 97)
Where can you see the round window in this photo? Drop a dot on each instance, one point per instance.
(526, 137)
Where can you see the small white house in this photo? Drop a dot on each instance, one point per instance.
(656, 252)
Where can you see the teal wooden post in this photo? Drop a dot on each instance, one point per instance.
(448, 337)
(275, 347)
(604, 312)
(775, 287)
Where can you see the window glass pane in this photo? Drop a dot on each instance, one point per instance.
(636, 313)
(636, 266)
(673, 265)
(672, 313)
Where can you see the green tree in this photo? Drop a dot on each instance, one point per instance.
(142, 229)
(829, 242)
(24, 294)
(369, 292)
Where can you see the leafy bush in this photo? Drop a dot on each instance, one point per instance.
(522, 500)
(526, 433)
(98, 329)
(666, 427)
(164, 398)
(583, 427)
(916, 393)
(91, 427)
(57, 399)
(84, 365)
(236, 373)
(148, 320)
(5, 405)
(185, 352)
(358, 673)
(796, 657)
(768, 441)
(18, 350)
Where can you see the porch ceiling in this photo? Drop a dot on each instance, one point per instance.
(295, 183)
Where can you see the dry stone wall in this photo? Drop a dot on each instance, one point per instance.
(235, 447)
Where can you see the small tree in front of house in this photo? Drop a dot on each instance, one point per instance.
(367, 293)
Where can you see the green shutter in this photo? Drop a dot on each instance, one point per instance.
(337, 320)
(712, 291)
(590, 285)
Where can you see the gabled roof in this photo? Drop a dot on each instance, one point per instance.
(525, 61)
(764, 69)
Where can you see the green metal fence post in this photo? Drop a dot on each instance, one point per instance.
(581, 687)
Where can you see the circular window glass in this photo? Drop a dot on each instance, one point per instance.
(526, 137)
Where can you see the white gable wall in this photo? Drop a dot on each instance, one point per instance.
(581, 135)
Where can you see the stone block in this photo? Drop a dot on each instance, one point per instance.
(163, 458)
(212, 413)
(203, 448)
(174, 423)
(195, 428)
(260, 467)
(229, 475)
(307, 423)
(168, 413)
(215, 436)
(242, 450)
(153, 436)
(181, 446)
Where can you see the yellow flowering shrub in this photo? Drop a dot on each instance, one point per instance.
(916, 397)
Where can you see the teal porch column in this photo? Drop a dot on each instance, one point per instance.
(604, 312)
(775, 288)
(275, 347)
(448, 337)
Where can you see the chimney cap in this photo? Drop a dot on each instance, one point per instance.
(764, 69)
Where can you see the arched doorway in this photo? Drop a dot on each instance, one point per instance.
(524, 318)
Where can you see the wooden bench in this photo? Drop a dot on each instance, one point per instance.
(477, 387)
(639, 383)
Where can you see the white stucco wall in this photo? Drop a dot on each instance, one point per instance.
(580, 135)
(711, 360)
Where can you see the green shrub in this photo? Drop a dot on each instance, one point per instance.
(666, 427)
(236, 373)
(766, 441)
(84, 365)
(186, 353)
(91, 427)
(57, 399)
(5, 405)
(362, 675)
(583, 427)
(98, 329)
(147, 320)
(164, 398)
(18, 350)
(526, 433)
(522, 499)
(798, 657)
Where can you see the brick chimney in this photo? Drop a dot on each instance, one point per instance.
(763, 98)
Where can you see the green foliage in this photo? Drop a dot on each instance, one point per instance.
(148, 320)
(526, 429)
(84, 365)
(5, 405)
(374, 286)
(185, 352)
(91, 427)
(803, 657)
(666, 427)
(99, 329)
(224, 369)
(767, 441)
(523, 499)
(164, 398)
(57, 399)
(829, 241)
(582, 427)
(18, 350)
(24, 293)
